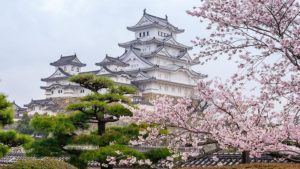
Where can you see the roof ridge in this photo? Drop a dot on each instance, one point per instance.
(140, 57)
(157, 17)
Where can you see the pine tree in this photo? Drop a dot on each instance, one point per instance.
(105, 104)
(6, 111)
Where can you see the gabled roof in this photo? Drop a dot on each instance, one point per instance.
(168, 41)
(18, 108)
(173, 68)
(148, 21)
(42, 102)
(54, 77)
(137, 53)
(171, 40)
(111, 61)
(68, 60)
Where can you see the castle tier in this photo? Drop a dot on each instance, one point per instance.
(154, 62)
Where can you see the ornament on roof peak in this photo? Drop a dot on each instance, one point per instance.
(144, 11)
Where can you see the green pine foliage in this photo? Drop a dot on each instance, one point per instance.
(105, 104)
(117, 135)
(157, 154)
(6, 111)
(9, 138)
(118, 151)
(24, 125)
(3, 150)
(13, 139)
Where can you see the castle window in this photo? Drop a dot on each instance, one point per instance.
(82, 91)
(144, 33)
(147, 33)
(59, 91)
(140, 34)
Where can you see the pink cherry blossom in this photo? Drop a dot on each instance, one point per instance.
(262, 37)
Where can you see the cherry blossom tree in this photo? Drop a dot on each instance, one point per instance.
(262, 37)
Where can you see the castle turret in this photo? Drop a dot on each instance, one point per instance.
(57, 85)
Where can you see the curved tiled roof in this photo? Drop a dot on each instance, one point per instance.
(51, 78)
(111, 61)
(155, 21)
(158, 41)
(68, 60)
(42, 102)
(226, 159)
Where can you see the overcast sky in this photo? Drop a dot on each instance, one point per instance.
(36, 32)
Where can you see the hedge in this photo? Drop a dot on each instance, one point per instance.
(46, 163)
(255, 166)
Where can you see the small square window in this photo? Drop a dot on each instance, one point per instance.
(148, 33)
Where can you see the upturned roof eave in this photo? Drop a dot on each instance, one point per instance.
(141, 27)
(70, 63)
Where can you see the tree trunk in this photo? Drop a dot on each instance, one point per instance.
(246, 157)
(101, 127)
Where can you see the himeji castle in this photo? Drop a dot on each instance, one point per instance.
(154, 61)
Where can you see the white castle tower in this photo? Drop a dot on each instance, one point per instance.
(154, 61)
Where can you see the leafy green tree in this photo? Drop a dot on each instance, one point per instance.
(9, 138)
(105, 104)
(24, 125)
(6, 111)
(61, 130)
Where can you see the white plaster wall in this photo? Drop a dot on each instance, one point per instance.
(40, 110)
(71, 69)
(172, 51)
(70, 92)
(170, 89)
(153, 32)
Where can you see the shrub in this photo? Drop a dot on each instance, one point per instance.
(157, 154)
(118, 135)
(102, 153)
(3, 150)
(255, 166)
(46, 163)
(12, 138)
